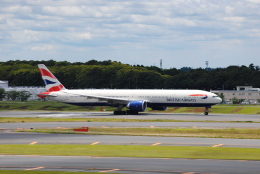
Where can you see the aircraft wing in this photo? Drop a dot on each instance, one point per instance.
(111, 100)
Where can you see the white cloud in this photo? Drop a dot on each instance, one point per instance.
(17, 9)
(234, 19)
(2, 19)
(254, 1)
(31, 35)
(158, 20)
(64, 10)
(254, 33)
(84, 36)
(42, 48)
(229, 9)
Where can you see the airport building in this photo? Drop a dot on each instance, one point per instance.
(34, 90)
(247, 94)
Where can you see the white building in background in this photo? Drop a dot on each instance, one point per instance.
(3, 84)
(34, 90)
(248, 94)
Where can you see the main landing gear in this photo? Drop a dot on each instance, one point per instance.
(206, 111)
(128, 112)
(119, 110)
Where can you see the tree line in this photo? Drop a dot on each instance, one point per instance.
(14, 95)
(116, 75)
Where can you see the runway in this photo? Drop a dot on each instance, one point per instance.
(40, 138)
(126, 165)
(127, 124)
(150, 116)
(248, 120)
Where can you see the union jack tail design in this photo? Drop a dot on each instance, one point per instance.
(51, 82)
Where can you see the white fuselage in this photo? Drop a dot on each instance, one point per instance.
(154, 98)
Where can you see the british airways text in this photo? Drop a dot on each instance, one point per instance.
(180, 100)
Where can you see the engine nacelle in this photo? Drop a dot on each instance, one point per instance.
(160, 108)
(137, 105)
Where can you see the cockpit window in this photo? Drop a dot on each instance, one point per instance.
(215, 96)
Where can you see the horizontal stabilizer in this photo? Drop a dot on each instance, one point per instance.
(44, 94)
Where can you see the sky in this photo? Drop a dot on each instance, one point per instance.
(183, 33)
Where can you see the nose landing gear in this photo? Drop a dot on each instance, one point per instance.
(206, 111)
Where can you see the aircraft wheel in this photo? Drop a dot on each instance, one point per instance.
(206, 113)
(119, 112)
(129, 112)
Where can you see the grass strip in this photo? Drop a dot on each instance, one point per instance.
(181, 132)
(52, 119)
(167, 132)
(191, 152)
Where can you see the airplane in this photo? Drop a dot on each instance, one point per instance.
(136, 100)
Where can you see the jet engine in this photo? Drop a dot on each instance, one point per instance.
(137, 105)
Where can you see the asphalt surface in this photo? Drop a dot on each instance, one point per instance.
(39, 138)
(127, 124)
(177, 116)
(126, 165)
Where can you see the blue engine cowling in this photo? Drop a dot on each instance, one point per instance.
(160, 108)
(137, 105)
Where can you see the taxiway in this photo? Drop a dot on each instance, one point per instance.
(150, 116)
(127, 165)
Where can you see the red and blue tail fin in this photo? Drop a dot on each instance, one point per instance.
(51, 82)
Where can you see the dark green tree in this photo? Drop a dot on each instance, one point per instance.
(221, 95)
(2, 94)
(12, 95)
(24, 95)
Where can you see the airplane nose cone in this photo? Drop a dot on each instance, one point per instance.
(219, 100)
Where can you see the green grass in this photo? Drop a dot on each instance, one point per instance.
(55, 106)
(182, 132)
(40, 105)
(192, 152)
(166, 132)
